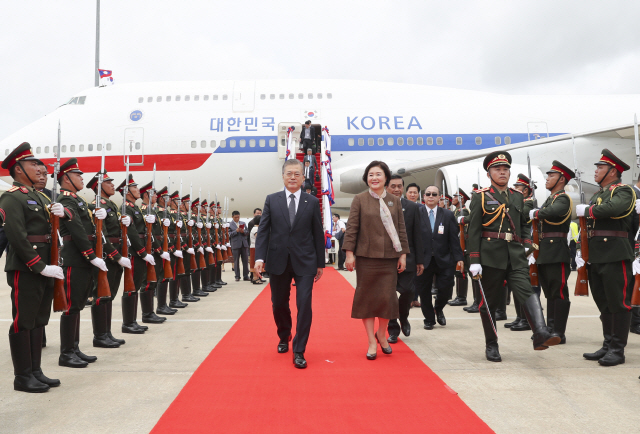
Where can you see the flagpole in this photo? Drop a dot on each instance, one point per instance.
(97, 43)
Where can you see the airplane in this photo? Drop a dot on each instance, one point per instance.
(230, 137)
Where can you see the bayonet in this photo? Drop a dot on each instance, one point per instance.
(577, 170)
(532, 184)
(125, 190)
(56, 169)
(635, 134)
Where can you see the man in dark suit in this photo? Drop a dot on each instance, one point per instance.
(442, 251)
(308, 137)
(239, 245)
(415, 258)
(309, 174)
(291, 233)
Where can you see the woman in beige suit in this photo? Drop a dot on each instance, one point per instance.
(376, 246)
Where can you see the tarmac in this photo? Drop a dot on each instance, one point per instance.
(128, 389)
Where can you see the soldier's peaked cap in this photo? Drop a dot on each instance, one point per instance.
(610, 159)
(195, 202)
(204, 203)
(558, 167)
(174, 195)
(69, 166)
(185, 198)
(21, 153)
(163, 191)
(131, 182)
(93, 183)
(523, 180)
(145, 188)
(497, 158)
(463, 194)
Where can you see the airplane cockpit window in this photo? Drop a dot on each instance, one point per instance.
(319, 96)
(329, 96)
(439, 141)
(498, 140)
(300, 96)
(193, 144)
(478, 140)
(282, 96)
(77, 100)
(168, 99)
(150, 99)
(81, 99)
(108, 146)
(263, 96)
(224, 97)
(159, 99)
(507, 140)
(141, 99)
(290, 96)
(187, 97)
(215, 97)
(177, 97)
(89, 147)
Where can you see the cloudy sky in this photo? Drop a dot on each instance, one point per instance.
(47, 47)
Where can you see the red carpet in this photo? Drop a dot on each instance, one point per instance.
(245, 386)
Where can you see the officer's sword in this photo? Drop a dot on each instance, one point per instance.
(477, 278)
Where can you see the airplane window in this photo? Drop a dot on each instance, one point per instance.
(478, 140)
(272, 96)
(439, 141)
(350, 141)
(282, 96)
(252, 143)
(400, 141)
(81, 148)
(232, 143)
(82, 99)
(72, 148)
(108, 146)
(99, 147)
(213, 143)
(159, 99)
(380, 141)
(215, 97)
(193, 144)
(263, 96)
(290, 96)
(429, 141)
(89, 147)
(187, 97)
(390, 141)
(310, 96)
(168, 99)
(150, 99)
(319, 96)
(243, 143)
(420, 141)
(137, 145)
(498, 140)
(46, 149)
(223, 143)
(409, 141)
(64, 148)
(458, 140)
(206, 97)
(177, 97)
(329, 96)
(300, 96)
(370, 141)
(38, 150)
(196, 98)
(141, 99)
(272, 143)
(507, 140)
(203, 144)
(360, 141)
(261, 143)
(224, 97)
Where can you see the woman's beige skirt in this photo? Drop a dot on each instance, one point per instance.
(376, 288)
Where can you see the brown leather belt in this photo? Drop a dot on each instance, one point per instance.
(39, 238)
(507, 236)
(91, 237)
(172, 236)
(142, 236)
(544, 235)
(114, 240)
(619, 234)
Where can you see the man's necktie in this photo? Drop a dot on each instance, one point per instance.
(432, 220)
(292, 208)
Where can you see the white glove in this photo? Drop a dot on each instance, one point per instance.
(227, 225)
(149, 259)
(579, 260)
(101, 213)
(208, 225)
(532, 259)
(178, 253)
(475, 269)
(125, 262)
(532, 213)
(638, 206)
(165, 256)
(199, 225)
(179, 223)
(461, 219)
(218, 247)
(209, 249)
(166, 222)
(228, 245)
(191, 223)
(201, 250)
(125, 220)
(98, 262)
(217, 226)
(53, 271)
(636, 266)
(190, 251)
(150, 218)
(57, 210)
(580, 210)
(224, 247)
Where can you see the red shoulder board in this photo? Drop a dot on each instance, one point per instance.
(103, 201)
(482, 189)
(66, 193)
(24, 190)
(144, 206)
(516, 191)
(14, 188)
(611, 187)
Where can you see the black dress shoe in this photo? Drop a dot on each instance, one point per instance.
(152, 318)
(283, 347)
(165, 310)
(190, 298)
(458, 302)
(405, 327)
(434, 291)
(492, 353)
(501, 315)
(472, 309)
(237, 279)
(299, 361)
(200, 293)
(387, 350)
(521, 326)
(508, 325)
(393, 339)
(441, 319)
(428, 325)
(635, 329)
(372, 356)
(177, 303)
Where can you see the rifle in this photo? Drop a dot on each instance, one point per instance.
(582, 282)
(103, 282)
(192, 258)
(168, 274)
(635, 295)
(59, 299)
(129, 285)
(219, 256)
(227, 241)
(461, 226)
(179, 261)
(210, 256)
(151, 270)
(535, 234)
(201, 263)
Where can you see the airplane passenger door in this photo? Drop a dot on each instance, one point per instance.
(537, 130)
(244, 96)
(134, 146)
(282, 137)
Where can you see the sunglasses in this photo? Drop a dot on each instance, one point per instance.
(432, 194)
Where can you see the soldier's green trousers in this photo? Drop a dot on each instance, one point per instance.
(493, 285)
(31, 298)
(78, 286)
(611, 284)
(553, 280)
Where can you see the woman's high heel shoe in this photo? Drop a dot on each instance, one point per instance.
(387, 350)
(372, 356)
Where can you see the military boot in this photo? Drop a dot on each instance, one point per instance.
(204, 280)
(24, 381)
(161, 295)
(174, 290)
(219, 274)
(551, 317)
(99, 320)
(615, 354)
(542, 339)
(476, 298)
(68, 356)
(109, 318)
(492, 352)
(516, 304)
(146, 305)
(462, 286)
(76, 342)
(185, 289)
(212, 277)
(607, 329)
(561, 315)
(36, 357)
(129, 308)
(195, 282)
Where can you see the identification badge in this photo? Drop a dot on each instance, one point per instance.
(80, 203)
(492, 202)
(32, 202)
(136, 212)
(441, 229)
(390, 203)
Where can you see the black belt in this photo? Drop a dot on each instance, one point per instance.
(507, 236)
(91, 237)
(114, 240)
(620, 234)
(544, 235)
(39, 238)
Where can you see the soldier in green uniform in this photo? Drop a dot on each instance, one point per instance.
(184, 215)
(554, 218)
(137, 238)
(474, 283)
(219, 227)
(28, 230)
(207, 283)
(498, 233)
(102, 308)
(609, 215)
(462, 278)
(176, 250)
(213, 267)
(197, 248)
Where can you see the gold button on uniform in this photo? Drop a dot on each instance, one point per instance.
(551, 241)
(605, 240)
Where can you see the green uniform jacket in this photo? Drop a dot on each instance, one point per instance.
(611, 210)
(110, 227)
(156, 229)
(135, 229)
(464, 213)
(554, 216)
(24, 213)
(495, 252)
(180, 244)
(78, 251)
